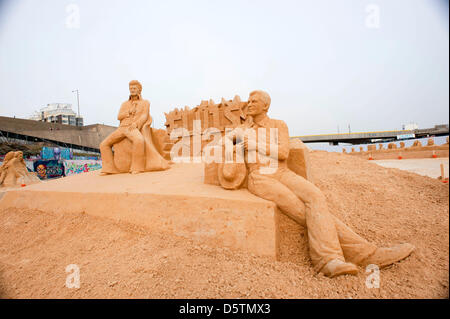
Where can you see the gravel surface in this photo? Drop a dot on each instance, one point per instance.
(120, 260)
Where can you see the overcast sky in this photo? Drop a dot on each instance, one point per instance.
(325, 63)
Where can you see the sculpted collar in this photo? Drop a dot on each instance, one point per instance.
(265, 122)
(139, 97)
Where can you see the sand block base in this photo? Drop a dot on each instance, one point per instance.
(175, 201)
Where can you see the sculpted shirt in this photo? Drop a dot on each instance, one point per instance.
(134, 111)
(281, 138)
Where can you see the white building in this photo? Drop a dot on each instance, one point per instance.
(58, 113)
(410, 126)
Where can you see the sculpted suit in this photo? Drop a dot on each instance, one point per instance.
(328, 237)
(334, 248)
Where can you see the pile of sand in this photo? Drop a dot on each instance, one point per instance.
(386, 206)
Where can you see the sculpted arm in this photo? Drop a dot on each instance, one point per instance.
(123, 112)
(283, 142)
(143, 117)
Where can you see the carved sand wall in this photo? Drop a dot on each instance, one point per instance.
(214, 119)
(393, 151)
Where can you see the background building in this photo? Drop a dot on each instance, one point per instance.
(61, 113)
(410, 126)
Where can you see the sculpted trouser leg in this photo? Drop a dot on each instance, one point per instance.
(106, 150)
(328, 237)
(138, 156)
(322, 235)
(355, 247)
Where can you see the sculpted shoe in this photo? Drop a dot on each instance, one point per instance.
(337, 267)
(383, 257)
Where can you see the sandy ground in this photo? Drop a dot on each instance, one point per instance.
(424, 166)
(116, 259)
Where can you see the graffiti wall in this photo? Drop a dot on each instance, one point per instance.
(46, 169)
(49, 169)
(75, 166)
(56, 153)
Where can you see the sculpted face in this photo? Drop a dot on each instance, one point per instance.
(134, 90)
(255, 105)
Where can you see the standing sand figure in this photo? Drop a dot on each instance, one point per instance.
(334, 248)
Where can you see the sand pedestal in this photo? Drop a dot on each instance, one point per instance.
(175, 201)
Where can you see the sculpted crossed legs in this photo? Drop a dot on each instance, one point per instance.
(334, 248)
(138, 151)
(329, 238)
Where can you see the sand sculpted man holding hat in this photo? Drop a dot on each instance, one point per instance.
(334, 248)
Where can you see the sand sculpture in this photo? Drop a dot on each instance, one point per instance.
(392, 146)
(371, 147)
(134, 140)
(361, 149)
(14, 172)
(204, 122)
(416, 150)
(334, 248)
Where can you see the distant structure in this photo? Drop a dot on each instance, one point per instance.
(60, 113)
(410, 126)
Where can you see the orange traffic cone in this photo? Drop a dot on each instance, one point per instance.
(370, 157)
(434, 154)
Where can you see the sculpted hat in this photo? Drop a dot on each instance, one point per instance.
(232, 175)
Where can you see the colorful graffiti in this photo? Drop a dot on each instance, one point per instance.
(46, 169)
(56, 153)
(75, 166)
(85, 158)
(49, 169)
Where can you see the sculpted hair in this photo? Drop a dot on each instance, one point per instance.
(265, 97)
(136, 82)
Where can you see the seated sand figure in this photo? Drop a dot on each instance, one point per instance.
(14, 172)
(334, 248)
(135, 122)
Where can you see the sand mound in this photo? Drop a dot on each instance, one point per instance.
(386, 206)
